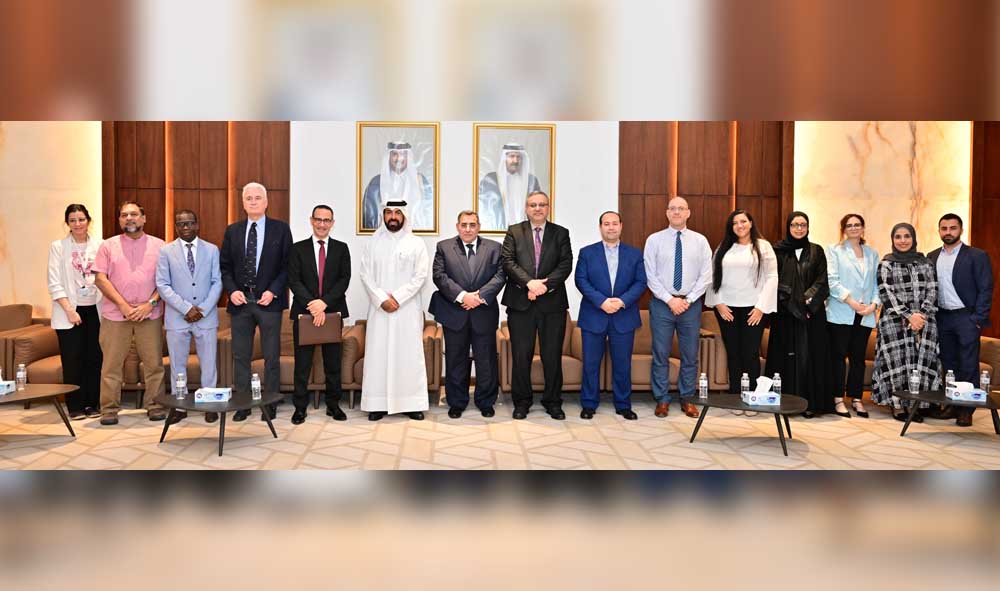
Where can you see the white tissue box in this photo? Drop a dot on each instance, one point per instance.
(763, 399)
(7, 387)
(213, 394)
(972, 395)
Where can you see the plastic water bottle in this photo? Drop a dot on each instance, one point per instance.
(915, 382)
(180, 386)
(703, 386)
(255, 392)
(21, 377)
(949, 379)
(744, 383)
(776, 386)
(984, 381)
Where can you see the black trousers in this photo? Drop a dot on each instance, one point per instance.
(458, 367)
(742, 347)
(551, 330)
(80, 352)
(303, 367)
(851, 342)
(244, 324)
(958, 337)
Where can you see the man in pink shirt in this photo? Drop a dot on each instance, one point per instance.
(131, 309)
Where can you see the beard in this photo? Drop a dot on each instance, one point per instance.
(393, 225)
(949, 240)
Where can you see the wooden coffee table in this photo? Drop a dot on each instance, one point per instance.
(237, 402)
(41, 393)
(790, 405)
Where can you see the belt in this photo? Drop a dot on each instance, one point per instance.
(954, 310)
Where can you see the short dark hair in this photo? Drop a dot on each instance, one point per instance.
(142, 210)
(600, 219)
(843, 225)
(951, 216)
(184, 211)
(321, 206)
(72, 207)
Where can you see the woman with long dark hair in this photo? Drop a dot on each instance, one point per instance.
(798, 347)
(74, 312)
(852, 269)
(907, 338)
(744, 288)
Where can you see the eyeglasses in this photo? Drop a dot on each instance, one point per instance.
(186, 224)
(676, 208)
(323, 220)
(799, 226)
(854, 226)
(537, 205)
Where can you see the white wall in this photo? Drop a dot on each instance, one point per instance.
(44, 166)
(324, 164)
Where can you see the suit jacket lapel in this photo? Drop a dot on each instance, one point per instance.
(241, 237)
(605, 270)
(476, 262)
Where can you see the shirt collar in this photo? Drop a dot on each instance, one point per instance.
(610, 248)
(953, 251)
(194, 243)
(316, 239)
(533, 226)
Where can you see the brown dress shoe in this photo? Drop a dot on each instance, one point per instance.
(689, 409)
(662, 409)
(963, 418)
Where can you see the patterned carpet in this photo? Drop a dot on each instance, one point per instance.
(37, 439)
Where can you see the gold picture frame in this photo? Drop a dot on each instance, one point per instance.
(488, 142)
(423, 139)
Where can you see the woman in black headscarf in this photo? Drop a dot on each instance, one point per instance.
(798, 346)
(907, 337)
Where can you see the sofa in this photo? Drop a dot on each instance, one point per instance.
(15, 319)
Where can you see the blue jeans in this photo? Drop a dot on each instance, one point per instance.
(663, 323)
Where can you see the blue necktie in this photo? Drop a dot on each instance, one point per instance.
(678, 262)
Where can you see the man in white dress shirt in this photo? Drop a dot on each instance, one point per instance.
(678, 271)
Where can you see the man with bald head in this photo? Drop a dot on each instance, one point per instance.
(678, 271)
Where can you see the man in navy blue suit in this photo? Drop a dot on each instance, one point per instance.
(965, 296)
(254, 263)
(469, 274)
(611, 276)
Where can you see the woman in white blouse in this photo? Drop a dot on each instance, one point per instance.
(744, 288)
(74, 312)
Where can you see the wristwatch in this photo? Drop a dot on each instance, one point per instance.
(153, 302)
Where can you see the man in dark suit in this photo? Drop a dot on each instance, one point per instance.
(319, 270)
(468, 274)
(611, 276)
(254, 262)
(538, 258)
(965, 296)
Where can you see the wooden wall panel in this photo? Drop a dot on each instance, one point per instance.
(125, 139)
(183, 155)
(245, 152)
(213, 214)
(108, 167)
(149, 155)
(631, 207)
(213, 154)
(274, 155)
(646, 157)
(985, 204)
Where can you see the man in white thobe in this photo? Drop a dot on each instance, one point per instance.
(393, 270)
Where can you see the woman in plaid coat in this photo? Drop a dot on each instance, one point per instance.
(907, 330)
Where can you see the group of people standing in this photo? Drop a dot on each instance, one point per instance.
(820, 303)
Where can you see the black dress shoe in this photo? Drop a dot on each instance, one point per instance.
(376, 416)
(299, 416)
(846, 414)
(336, 413)
(587, 413)
(455, 413)
(272, 410)
(901, 417)
(556, 413)
(488, 412)
(808, 414)
(178, 416)
(520, 413)
(211, 417)
(415, 416)
(627, 413)
(240, 415)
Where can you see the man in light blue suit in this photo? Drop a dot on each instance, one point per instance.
(611, 276)
(190, 282)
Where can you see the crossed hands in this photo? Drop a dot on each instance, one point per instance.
(472, 300)
(678, 305)
(917, 321)
(612, 305)
(390, 305)
(317, 308)
(136, 313)
(862, 309)
(194, 314)
(536, 287)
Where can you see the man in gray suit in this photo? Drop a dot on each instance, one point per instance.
(468, 273)
(189, 281)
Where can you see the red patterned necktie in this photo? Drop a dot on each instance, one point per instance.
(322, 264)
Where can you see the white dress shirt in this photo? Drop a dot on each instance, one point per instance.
(947, 296)
(658, 256)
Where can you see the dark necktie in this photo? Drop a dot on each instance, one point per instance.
(322, 265)
(250, 262)
(678, 262)
(190, 260)
(471, 252)
(538, 249)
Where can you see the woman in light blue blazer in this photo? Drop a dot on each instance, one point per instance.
(852, 267)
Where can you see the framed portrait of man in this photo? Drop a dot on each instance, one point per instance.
(398, 161)
(510, 161)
